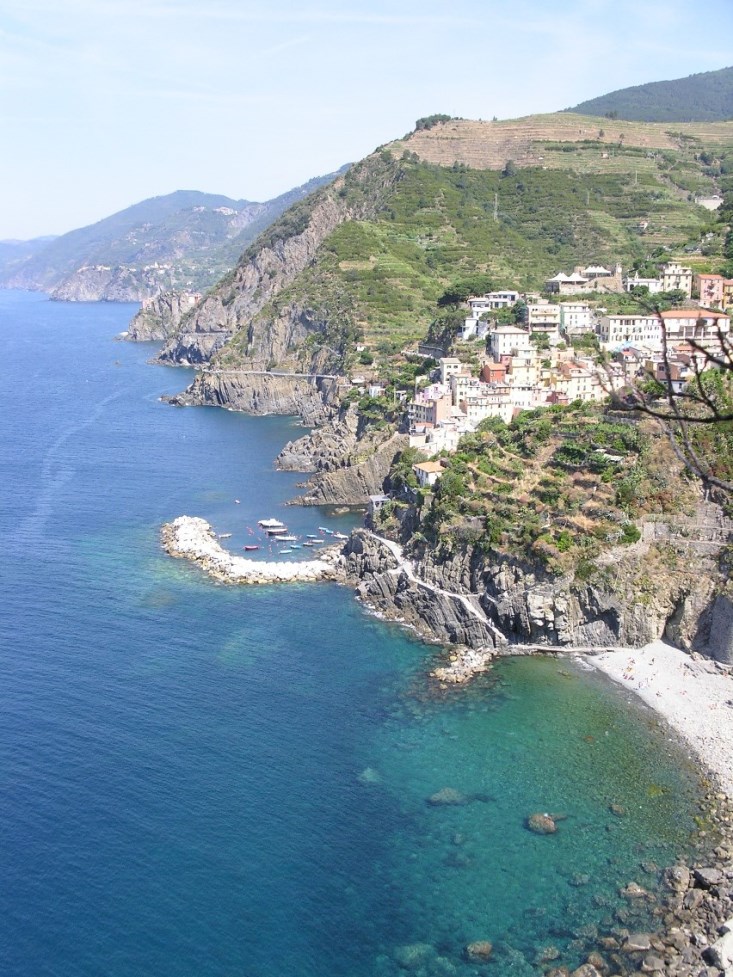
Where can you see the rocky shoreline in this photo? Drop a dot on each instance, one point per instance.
(693, 906)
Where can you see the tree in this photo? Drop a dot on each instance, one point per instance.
(697, 418)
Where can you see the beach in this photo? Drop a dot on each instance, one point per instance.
(694, 694)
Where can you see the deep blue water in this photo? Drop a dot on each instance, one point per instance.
(201, 780)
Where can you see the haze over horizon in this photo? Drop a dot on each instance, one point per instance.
(105, 104)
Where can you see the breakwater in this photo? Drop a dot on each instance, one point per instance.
(192, 538)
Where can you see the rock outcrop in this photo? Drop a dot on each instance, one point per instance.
(260, 393)
(350, 461)
(639, 595)
(159, 318)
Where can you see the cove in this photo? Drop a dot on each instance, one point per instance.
(201, 779)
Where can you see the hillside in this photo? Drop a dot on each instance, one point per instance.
(704, 97)
(185, 239)
(368, 257)
(14, 253)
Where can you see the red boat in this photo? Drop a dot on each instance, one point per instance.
(250, 547)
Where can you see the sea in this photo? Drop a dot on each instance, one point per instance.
(199, 780)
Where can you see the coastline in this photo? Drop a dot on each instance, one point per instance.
(692, 693)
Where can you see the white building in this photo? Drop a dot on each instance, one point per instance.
(507, 340)
(631, 282)
(616, 330)
(576, 318)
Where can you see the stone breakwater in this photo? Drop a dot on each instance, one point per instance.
(192, 538)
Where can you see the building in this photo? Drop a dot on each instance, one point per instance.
(429, 409)
(428, 473)
(702, 325)
(504, 299)
(508, 340)
(728, 293)
(562, 284)
(576, 318)
(617, 330)
(674, 276)
(450, 366)
(710, 290)
(653, 285)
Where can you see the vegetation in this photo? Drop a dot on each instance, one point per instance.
(707, 96)
(559, 485)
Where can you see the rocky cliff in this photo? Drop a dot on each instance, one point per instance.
(159, 318)
(242, 303)
(95, 283)
(261, 393)
(350, 459)
(670, 585)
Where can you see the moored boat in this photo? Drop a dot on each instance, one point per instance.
(250, 547)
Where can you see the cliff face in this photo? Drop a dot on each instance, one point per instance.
(350, 462)
(99, 283)
(669, 586)
(160, 318)
(260, 393)
(266, 269)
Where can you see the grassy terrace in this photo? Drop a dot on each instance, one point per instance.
(558, 485)
(437, 224)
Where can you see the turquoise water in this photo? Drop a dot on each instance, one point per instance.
(200, 780)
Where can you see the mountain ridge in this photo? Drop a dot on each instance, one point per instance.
(185, 240)
(704, 96)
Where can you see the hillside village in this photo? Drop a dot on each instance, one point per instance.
(520, 351)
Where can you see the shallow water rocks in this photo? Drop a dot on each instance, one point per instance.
(637, 943)
(411, 956)
(634, 891)
(541, 824)
(479, 951)
(447, 797)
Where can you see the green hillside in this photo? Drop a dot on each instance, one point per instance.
(703, 97)
(199, 236)
(436, 224)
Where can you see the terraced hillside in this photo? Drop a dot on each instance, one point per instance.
(559, 486)
(368, 257)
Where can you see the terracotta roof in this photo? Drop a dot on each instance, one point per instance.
(692, 314)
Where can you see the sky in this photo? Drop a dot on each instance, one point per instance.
(104, 103)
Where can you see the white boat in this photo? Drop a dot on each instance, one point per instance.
(287, 539)
(276, 530)
(340, 536)
(286, 551)
(271, 524)
(224, 535)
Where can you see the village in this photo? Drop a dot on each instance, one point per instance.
(519, 351)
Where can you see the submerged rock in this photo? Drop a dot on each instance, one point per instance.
(541, 824)
(414, 955)
(370, 776)
(479, 951)
(447, 796)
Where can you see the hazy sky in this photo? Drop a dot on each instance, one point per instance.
(106, 102)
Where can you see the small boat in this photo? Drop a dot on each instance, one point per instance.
(311, 536)
(309, 543)
(276, 530)
(271, 524)
(322, 529)
(224, 535)
(329, 532)
(250, 547)
(287, 539)
(296, 546)
(286, 551)
(237, 501)
(340, 536)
